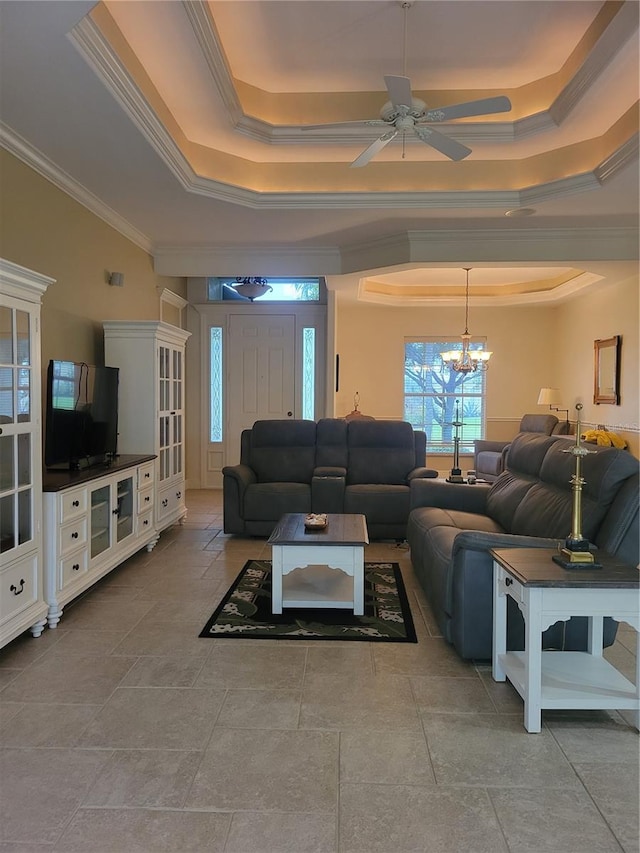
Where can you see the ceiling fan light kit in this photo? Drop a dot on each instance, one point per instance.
(403, 114)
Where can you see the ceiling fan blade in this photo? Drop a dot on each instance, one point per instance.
(399, 89)
(452, 149)
(485, 106)
(373, 149)
(357, 123)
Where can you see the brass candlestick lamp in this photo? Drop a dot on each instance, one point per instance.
(576, 553)
(456, 472)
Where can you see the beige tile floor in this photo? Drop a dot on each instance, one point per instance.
(122, 731)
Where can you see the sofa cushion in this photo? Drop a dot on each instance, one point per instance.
(331, 443)
(380, 452)
(283, 451)
(381, 503)
(266, 501)
(488, 462)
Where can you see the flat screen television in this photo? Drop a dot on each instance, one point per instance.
(81, 428)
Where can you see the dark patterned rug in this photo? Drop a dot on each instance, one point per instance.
(245, 611)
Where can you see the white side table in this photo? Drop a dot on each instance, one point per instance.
(545, 594)
(319, 568)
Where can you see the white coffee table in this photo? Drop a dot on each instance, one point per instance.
(319, 568)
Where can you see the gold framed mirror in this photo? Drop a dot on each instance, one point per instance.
(606, 378)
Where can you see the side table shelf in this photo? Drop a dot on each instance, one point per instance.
(546, 593)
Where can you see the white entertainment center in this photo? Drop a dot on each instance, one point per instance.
(94, 519)
(63, 530)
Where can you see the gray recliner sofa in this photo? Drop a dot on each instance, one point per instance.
(452, 528)
(331, 466)
(489, 456)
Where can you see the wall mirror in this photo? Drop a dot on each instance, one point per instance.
(606, 388)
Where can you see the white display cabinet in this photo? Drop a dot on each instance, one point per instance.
(22, 603)
(94, 519)
(151, 358)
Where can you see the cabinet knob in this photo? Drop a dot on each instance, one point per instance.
(76, 567)
(147, 499)
(74, 535)
(508, 581)
(14, 589)
(178, 495)
(145, 522)
(147, 475)
(165, 502)
(75, 503)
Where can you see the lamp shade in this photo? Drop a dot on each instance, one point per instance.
(549, 397)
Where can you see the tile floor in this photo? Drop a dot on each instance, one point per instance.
(122, 731)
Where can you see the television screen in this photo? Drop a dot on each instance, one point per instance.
(81, 415)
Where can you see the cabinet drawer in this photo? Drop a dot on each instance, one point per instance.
(145, 523)
(73, 566)
(145, 500)
(73, 535)
(146, 475)
(18, 587)
(72, 503)
(170, 500)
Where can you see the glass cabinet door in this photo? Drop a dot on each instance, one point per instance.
(171, 395)
(124, 514)
(17, 430)
(100, 520)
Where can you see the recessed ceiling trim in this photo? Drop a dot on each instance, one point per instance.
(208, 38)
(558, 294)
(619, 30)
(626, 154)
(264, 260)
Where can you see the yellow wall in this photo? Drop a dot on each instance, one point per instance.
(44, 229)
(533, 347)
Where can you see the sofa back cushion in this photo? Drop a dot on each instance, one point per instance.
(283, 451)
(331, 443)
(538, 423)
(533, 496)
(380, 452)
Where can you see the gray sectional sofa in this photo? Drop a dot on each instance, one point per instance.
(451, 529)
(333, 466)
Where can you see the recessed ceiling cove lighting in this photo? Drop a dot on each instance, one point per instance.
(520, 211)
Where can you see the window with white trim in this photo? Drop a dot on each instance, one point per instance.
(431, 389)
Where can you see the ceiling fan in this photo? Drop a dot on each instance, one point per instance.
(403, 113)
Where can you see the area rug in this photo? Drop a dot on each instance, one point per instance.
(245, 611)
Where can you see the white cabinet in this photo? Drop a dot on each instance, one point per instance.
(92, 522)
(150, 356)
(22, 603)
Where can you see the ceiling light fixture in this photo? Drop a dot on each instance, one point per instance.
(466, 360)
(251, 287)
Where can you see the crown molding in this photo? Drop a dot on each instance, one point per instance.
(208, 38)
(27, 153)
(204, 261)
(620, 29)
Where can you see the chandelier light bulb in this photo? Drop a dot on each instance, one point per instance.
(466, 360)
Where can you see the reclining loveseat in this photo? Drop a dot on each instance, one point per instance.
(452, 528)
(332, 466)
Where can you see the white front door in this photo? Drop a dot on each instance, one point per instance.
(261, 373)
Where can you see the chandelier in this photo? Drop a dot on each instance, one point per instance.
(466, 360)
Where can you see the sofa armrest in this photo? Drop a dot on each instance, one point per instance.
(242, 474)
(482, 444)
(422, 473)
(429, 492)
(330, 471)
(235, 480)
(479, 540)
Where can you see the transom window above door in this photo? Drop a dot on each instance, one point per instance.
(274, 289)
